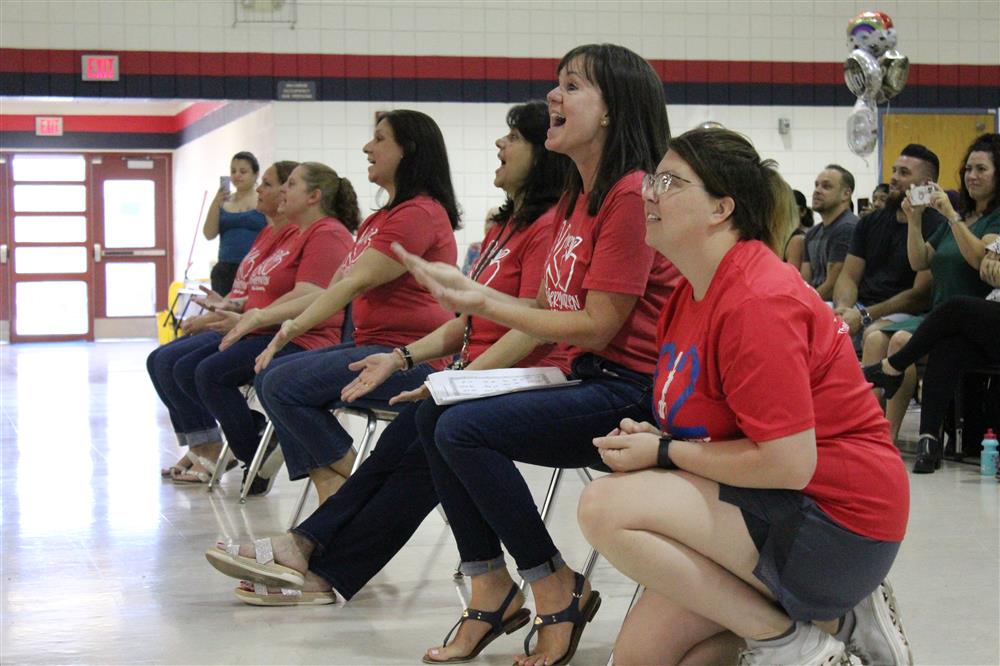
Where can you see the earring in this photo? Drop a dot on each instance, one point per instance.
(604, 122)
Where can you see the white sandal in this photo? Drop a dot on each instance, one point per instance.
(199, 477)
(263, 569)
(257, 594)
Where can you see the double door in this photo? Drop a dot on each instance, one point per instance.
(84, 244)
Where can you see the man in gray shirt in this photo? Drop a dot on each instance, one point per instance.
(827, 243)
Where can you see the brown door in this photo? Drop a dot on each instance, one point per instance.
(949, 135)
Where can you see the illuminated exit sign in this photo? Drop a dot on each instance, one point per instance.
(99, 67)
(48, 126)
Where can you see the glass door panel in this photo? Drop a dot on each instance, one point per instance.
(50, 229)
(49, 308)
(40, 260)
(130, 289)
(129, 213)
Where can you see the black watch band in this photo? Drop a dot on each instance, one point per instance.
(663, 460)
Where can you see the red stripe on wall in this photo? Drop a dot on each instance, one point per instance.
(124, 124)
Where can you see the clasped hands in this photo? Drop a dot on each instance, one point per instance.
(630, 447)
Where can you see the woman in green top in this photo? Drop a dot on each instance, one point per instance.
(954, 252)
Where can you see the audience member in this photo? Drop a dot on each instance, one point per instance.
(352, 535)
(827, 243)
(780, 503)
(795, 248)
(234, 218)
(407, 157)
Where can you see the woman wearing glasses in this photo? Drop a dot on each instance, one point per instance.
(765, 520)
(599, 298)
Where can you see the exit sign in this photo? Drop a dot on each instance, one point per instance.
(48, 126)
(99, 67)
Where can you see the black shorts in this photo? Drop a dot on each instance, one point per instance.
(816, 569)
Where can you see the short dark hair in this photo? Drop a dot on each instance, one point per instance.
(424, 168)
(547, 176)
(729, 166)
(924, 153)
(881, 187)
(249, 158)
(284, 169)
(989, 144)
(846, 177)
(638, 129)
(805, 216)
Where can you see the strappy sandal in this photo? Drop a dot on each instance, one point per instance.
(257, 594)
(263, 569)
(199, 477)
(498, 627)
(572, 613)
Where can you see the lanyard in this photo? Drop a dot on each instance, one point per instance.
(484, 260)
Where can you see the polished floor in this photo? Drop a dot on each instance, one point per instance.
(102, 561)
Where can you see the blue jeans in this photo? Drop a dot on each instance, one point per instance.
(471, 451)
(361, 527)
(299, 392)
(171, 368)
(218, 379)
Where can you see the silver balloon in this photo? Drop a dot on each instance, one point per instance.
(862, 74)
(862, 128)
(895, 69)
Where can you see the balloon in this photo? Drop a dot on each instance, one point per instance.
(895, 69)
(862, 74)
(872, 32)
(862, 128)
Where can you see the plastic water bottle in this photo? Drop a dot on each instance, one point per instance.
(988, 458)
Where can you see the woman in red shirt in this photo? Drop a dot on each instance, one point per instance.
(773, 501)
(200, 384)
(602, 290)
(407, 158)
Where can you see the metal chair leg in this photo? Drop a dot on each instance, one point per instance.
(220, 466)
(258, 459)
(301, 503)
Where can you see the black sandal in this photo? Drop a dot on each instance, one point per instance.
(498, 627)
(572, 613)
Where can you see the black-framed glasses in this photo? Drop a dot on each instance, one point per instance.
(656, 184)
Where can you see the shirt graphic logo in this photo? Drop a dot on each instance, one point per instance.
(260, 277)
(493, 268)
(559, 270)
(676, 363)
(363, 242)
(245, 270)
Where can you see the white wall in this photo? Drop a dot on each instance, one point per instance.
(197, 167)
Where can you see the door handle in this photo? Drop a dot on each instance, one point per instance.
(3, 254)
(97, 253)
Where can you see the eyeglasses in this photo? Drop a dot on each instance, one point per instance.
(656, 184)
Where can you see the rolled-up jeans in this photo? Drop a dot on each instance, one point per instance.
(471, 449)
(299, 391)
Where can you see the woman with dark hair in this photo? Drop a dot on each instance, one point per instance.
(599, 299)
(795, 248)
(200, 384)
(407, 158)
(773, 501)
(234, 218)
(359, 529)
(953, 254)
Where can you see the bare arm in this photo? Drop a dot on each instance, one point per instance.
(806, 271)
(795, 250)
(845, 290)
(912, 300)
(825, 290)
(211, 228)
(989, 270)
(918, 252)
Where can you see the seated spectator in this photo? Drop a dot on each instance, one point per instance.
(796, 247)
(877, 202)
(827, 243)
(352, 535)
(952, 254)
(407, 157)
(234, 219)
(767, 504)
(198, 382)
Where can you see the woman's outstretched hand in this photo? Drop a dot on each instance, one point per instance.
(375, 369)
(245, 323)
(277, 343)
(446, 283)
(419, 393)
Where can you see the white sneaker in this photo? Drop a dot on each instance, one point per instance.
(808, 646)
(878, 638)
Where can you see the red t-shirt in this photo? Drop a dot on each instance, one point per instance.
(608, 252)
(310, 255)
(516, 269)
(401, 310)
(761, 356)
(260, 248)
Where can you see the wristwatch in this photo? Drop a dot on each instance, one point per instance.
(866, 319)
(663, 460)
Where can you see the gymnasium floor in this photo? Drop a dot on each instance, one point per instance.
(102, 561)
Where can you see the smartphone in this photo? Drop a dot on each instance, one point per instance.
(225, 183)
(920, 195)
(864, 205)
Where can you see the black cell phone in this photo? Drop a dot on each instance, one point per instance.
(863, 204)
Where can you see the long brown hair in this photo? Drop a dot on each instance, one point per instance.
(339, 199)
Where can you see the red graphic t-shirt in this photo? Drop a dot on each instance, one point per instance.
(260, 248)
(516, 268)
(401, 311)
(762, 357)
(608, 252)
(310, 256)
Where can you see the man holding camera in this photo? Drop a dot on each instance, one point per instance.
(876, 285)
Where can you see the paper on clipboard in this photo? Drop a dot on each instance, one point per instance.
(451, 386)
